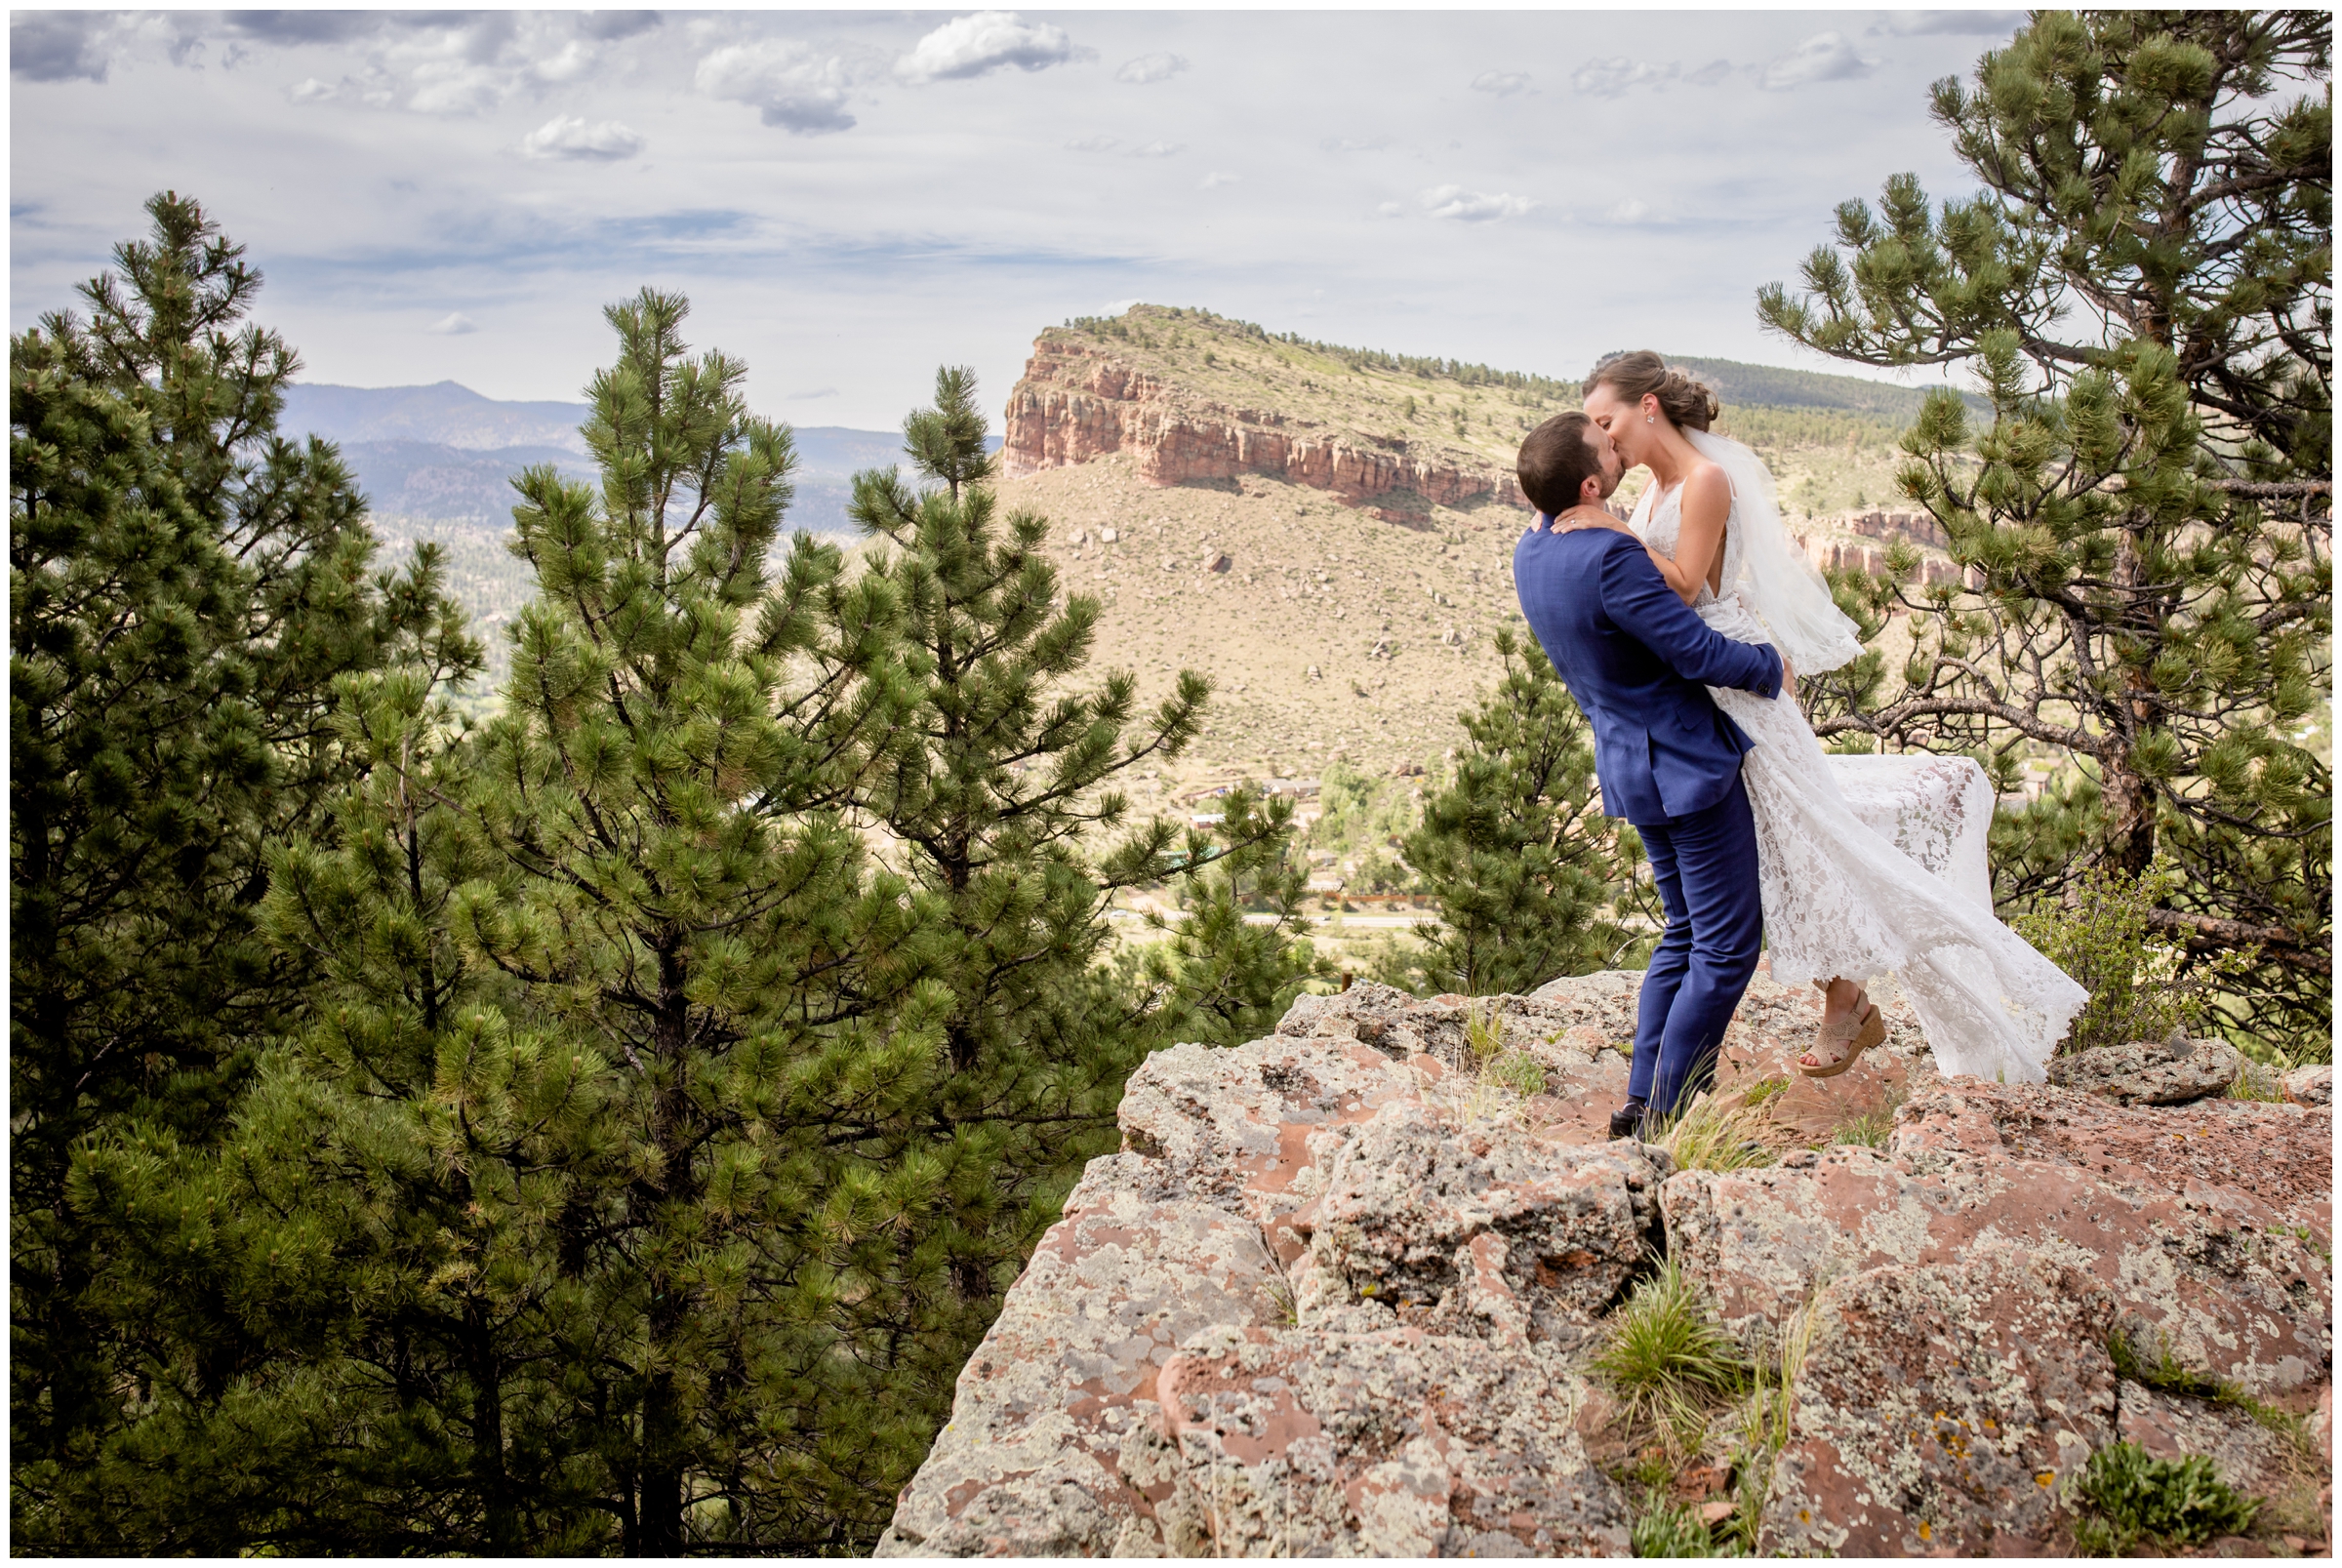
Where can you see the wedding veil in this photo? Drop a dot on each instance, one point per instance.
(1780, 585)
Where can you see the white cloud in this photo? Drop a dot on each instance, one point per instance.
(1159, 149)
(1607, 78)
(1629, 210)
(1922, 24)
(1150, 69)
(1826, 56)
(1472, 206)
(1347, 144)
(1388, 208)
(808, 397)
(1216, 179)
(312, 90)
(1708, 75)
(568, 136)
(984, 41)
(568, 65)
(455, 324)
(790, 84)
(1093, 143)
(1503, 84)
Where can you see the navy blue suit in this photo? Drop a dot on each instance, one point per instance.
(1638, 661)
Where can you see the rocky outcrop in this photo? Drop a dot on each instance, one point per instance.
(1940, 1407)
(1337, 1295)
(2202, 1244)
(2144, 1073)
(1077, 402)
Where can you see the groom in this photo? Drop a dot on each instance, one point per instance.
(1638, 662)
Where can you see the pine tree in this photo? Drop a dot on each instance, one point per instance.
(999, 795)
(2147, 521)
(186, 587)
(1532, 879)
(1217, 976)
(561, 1229)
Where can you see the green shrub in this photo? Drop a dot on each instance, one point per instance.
(2135, 1498)
(1518, 1071)
(1667, 1357)
(2141, 988)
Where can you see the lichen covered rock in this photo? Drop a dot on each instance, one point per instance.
(1488, 1229)
(1335, 1295)
(2229, 1277)
(1393, 1444)
(1032, 1461)
(2146, 1073)
(1940, 1406)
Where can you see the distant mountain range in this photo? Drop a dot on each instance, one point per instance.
(445, 453)
(1771, 386)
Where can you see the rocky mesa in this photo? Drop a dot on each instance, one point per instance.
(1079, 400)
(1342, 1294)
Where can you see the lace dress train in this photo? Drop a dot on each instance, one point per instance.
(1843, 900)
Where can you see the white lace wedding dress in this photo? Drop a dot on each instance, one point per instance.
(1840, 897)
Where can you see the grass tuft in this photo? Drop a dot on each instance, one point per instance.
(1871, 1128)
(1665, 1529)
(1713, 1136)
(1667, 1358)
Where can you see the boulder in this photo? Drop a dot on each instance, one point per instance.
(1239, 1127)
(1486, 1229)
(1392, 1444)
(2311, 1085)
(2146, 1073)
(2226, 1273)
(2172, 1425)
(1580, 1031)
(2280, 1156)
(1031, 1464)
(1940, 1406)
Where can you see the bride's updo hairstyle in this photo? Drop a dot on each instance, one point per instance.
(1687, 402)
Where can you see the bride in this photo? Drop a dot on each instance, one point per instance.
(1841, 903)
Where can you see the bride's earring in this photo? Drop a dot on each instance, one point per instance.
(1648, 419)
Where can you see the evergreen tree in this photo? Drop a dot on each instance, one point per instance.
(186, 587)
(561, 1228)
(1532, 879)
(1218, 976)
(2147, 521)
(998, 794)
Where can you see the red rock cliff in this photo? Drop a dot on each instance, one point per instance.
(1077, 402)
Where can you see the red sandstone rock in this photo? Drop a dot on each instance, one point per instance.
(2220, 1272)
(1940, 1406)
(1031, 1464)
(2280, 1156)
(1077, 402)
(1480, 1227)
(2249, 1454)
(1398, 1444)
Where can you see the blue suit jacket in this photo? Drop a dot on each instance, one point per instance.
(1638, 660)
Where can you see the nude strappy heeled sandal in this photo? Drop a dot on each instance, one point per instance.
(1853, 1034)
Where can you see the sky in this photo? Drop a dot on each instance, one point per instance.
(853, 198)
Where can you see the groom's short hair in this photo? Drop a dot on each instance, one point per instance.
(1555, 462)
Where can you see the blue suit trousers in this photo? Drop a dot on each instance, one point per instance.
(1705, 867)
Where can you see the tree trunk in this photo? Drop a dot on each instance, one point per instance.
(488, 1432)
(664, 1438)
